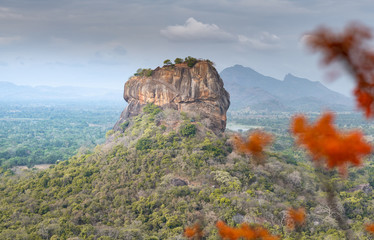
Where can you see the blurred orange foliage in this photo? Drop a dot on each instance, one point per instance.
(194, 232)
(244, 231)
(324, 142)
(349, 47)
(255, 143)
(295, 217)
(370, 228)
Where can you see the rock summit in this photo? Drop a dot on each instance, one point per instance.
(197, 90)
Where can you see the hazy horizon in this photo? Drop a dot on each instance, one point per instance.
(119, 92)
(101, 43)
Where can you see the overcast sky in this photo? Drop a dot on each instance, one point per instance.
(101, 43)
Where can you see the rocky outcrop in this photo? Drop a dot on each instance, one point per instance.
(198, 90)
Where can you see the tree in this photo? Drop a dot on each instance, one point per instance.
(168, 62)
(188, 130)
(144, 72)
(190, 61)
(178, 61)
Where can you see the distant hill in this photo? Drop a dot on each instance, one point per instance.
(13, 92)
(250, 89)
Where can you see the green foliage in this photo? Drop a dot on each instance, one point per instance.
(143, 144)
(178, 61)
(180, 191)
(225, 179)
(109, 133)
(42, 133)
(151, 109)
(188, 130)
(144, 72)
(215, 149)
(124, 125)
(131, 188)
(174, 221)
(168, 62)
(210, 62)
(190, 61)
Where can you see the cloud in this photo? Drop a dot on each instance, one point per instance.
(194, 30)
(263, 41)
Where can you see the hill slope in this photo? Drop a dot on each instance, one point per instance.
(152, 178)
(250, 88)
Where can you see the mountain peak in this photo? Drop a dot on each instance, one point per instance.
(241, 68)
(293, 92)
(288, 76)
(292, 78)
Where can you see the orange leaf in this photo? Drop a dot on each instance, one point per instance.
(349, 48)
(193, 232)
(324, 142)
(370, 228)
(254, 145)
(295, 217)
(244, 231)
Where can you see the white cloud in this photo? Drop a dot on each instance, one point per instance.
(194, 30)
(267, 37)
(263, 41)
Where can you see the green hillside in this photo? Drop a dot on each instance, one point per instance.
(154, 178)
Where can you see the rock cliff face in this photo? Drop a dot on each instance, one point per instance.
(198, 90)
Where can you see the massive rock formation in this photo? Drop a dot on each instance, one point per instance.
(198, 90)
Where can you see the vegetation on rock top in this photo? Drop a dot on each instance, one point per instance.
(189, 61)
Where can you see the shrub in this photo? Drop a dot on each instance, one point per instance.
(210, 62)
(178, 61)
(144, 72)
(190, 61)
(110, 132)
(188, 130)
(143, 144)
(124, 125)
(168, 62)
(152, 109)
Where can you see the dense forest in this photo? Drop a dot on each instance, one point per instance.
(150, 180)
(43, 133)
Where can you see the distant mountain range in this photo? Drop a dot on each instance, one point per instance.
(251, 90)
(13, 92)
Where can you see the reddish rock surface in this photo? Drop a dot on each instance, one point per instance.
(198, 90)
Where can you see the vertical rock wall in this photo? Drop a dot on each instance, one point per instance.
(198, 90)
